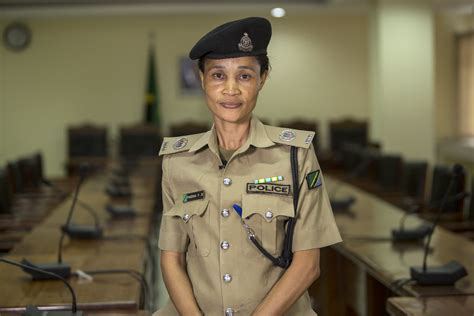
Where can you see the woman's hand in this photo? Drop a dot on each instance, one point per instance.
(173, 266)
(302, 272)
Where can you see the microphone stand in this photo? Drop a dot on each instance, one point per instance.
(75, 231)
(60, 268)
(422, 230)
(449, 273)
(33, 311)
(345, 203)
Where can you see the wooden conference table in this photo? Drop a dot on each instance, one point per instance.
(367, 268)
(125, 246)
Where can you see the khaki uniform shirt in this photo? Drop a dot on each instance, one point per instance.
(228, 274)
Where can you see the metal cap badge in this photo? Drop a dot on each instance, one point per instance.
(245, 44)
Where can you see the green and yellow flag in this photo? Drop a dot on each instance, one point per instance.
(152, 113)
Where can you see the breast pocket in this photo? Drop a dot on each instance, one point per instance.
(195, 218)
(266, 215)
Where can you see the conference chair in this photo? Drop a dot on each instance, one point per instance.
(470, 213)
(389, 169)
(30, 172)
(414, 179)
(452, 210)
(187, 128)
(140, 140)
(87, 143)
(15, 179)
(5, 193)
(347, 131)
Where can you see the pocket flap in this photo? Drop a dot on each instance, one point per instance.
(266, 205)
(188, 210)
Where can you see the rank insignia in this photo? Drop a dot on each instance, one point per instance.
(313, 179)
(309, 138)
(188, 197)
(164, 146)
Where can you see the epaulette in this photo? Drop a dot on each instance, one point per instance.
(172, 145)
(290, 137)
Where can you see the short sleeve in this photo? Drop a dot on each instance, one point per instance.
(315, 225)
(173, 235)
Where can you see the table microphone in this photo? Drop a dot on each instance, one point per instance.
(75, 231)
(118, 191)
(345, 203)
(449, 273)
(34, 311)
(422, 230)
(120, 181)
(121, 210)
(60, 268)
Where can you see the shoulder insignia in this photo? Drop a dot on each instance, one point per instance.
(289, 136)
(171, 145)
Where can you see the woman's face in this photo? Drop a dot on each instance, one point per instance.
(231, 87)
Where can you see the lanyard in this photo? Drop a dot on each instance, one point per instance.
(284, 260)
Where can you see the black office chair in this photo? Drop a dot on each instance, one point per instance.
(188, 128)
(352, 155)
(139, 141)
(414, 179)
(389, 169)
(5, 193)
(30, 172)
(441, 177)
(87, 141)
(347, 131)
(88, 144)
(15, 179)
(470, 214)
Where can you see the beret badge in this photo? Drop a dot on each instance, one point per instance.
(245, 44)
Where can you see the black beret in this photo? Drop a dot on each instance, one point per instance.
(245, 37)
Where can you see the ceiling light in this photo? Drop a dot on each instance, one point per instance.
(278, 12)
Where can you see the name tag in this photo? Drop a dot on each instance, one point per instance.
(281, 189)
(188, 197)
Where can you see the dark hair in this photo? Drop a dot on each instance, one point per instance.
(262, 60)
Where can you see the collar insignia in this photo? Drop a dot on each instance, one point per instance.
(180, 143)
(287, 135)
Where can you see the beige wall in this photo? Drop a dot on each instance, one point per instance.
(446, 78)
(93, 69)
(404, 108)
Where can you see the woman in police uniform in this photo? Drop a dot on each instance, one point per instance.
(233, 182)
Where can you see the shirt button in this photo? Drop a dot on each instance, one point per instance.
(227, 278)
(186, 218)
(225, 245)
(269, 215)
(225, 213)
(227, 182)
(229, 312)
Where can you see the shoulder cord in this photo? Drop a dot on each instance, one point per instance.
(286, 257)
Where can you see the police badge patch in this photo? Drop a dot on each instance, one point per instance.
(313, 179)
